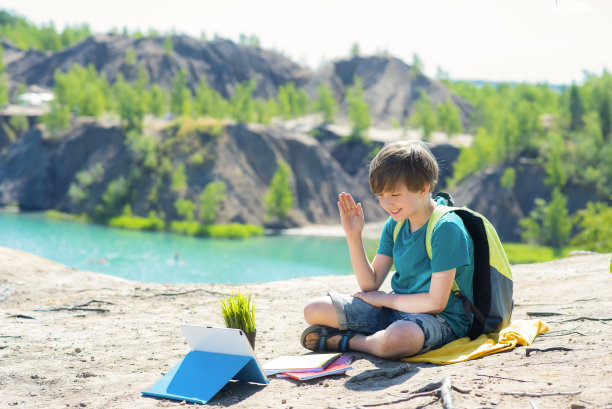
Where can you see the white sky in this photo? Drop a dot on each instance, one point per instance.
(512, 40)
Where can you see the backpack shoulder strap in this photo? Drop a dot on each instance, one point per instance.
(435, 217)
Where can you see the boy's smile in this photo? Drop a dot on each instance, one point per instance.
(402, 203)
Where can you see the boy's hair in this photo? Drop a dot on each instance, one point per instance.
(411, 163)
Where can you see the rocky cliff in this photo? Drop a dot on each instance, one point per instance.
(390, 87)
(38, 172)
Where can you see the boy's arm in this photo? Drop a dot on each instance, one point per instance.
(369, 275)
(432, 302)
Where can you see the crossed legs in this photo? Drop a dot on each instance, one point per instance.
(400, 339)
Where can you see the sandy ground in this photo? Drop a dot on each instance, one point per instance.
(74, 359)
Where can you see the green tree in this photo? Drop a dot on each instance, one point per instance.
(508, 179)
(555, 170)
(326, 103)
(417, 68)
(605, 116)
(57, 119)
(576, 109)
(168, 46)
(179, 179)
(185, 208)
(355, 49)
(594, 228)
(449, 118)
(131, 105)
(549, 224)
(358, 109)
(424, 116)
(157, 100)
(180, 95)
(210, 201)
(130, 57)
(19, 123)
(279, 199)
(243, 105)
(4, 89)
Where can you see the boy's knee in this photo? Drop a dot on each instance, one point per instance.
(399, 342)
(319, 311)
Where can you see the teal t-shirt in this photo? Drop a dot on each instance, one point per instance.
(452, 247)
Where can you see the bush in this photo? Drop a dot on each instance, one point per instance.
(130, 222)
(233, 231)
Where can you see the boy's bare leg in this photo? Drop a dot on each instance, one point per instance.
(400, 339)
(321, 311)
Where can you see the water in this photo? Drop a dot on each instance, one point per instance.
(150, 256)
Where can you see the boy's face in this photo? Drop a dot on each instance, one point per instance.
(400, 202)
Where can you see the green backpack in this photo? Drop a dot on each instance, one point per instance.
(492, 284)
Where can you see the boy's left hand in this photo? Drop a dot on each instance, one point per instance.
(374, 298)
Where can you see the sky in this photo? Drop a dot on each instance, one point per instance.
(553, 41)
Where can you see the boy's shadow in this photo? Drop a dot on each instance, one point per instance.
(387, 373)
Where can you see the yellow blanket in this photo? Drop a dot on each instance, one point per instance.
(521, 332)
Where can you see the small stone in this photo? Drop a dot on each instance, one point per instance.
(78, 350)
(82, 404)
(577, 406)
(284, 401)
(93, 358)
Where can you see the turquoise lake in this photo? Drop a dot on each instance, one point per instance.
(169, 258)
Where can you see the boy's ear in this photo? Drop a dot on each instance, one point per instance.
(424, 190)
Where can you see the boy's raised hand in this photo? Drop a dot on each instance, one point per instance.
(351, 215)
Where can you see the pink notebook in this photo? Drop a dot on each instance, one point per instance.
(340, 365)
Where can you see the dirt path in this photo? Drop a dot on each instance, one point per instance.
(86, 358)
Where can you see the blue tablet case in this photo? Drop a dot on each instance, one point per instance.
(201, 374)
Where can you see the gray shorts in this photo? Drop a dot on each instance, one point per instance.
(357, 315)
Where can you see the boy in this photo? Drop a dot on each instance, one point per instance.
(421, 313)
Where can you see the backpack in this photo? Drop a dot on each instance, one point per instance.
(492, 284)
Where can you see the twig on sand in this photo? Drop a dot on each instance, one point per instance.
(80, 307)
(543, 314)
(388, 372)
(530, 350)
(95, 301)
(188, 292)
(502, 377)
(73, 309)
(441, 390)
(542, 395)
(27, 317)
(588, 319)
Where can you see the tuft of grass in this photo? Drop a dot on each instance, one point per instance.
(232, 231)
(57, 215)
(238, 311)
(129, 222)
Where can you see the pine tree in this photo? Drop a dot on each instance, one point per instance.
(424, 116)
(180, 95)
(449, 118)
(210, 201)
(326, 103)
(576, 109)
(243, 105)
(279, 199)
(358, 110)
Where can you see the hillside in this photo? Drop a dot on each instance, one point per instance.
(389, 87)
(224, 63)
(38, 173)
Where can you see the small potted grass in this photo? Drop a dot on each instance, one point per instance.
(238, 311)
